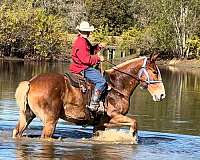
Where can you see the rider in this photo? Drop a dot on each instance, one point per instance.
(84, 57)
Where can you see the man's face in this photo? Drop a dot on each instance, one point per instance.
(85, 33)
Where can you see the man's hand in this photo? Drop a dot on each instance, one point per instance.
(102, 44)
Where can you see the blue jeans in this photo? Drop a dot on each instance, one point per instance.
(95, 76)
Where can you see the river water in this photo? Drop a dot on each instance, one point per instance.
(168, 130)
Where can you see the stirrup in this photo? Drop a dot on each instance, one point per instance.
(101, 108)
(109, 88)
(93, 106)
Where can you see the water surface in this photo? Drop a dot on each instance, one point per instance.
(167, 130)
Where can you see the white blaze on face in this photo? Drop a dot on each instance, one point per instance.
(157, 90)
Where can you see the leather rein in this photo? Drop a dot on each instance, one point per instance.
(143, 70)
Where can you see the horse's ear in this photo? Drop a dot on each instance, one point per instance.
(154, 56)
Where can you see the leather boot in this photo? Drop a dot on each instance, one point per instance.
(94, 103)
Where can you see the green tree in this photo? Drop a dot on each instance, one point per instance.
(116, 14)
(172, 21)
(27, 28)
(72, 11)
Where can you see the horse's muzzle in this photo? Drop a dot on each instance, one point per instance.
(158, 97)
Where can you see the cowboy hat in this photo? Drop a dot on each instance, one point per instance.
(85, 26)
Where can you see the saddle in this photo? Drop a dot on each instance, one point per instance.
(77, 81)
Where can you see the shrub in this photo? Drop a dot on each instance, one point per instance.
(30, 31)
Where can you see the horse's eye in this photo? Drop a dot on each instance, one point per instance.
(155, 72)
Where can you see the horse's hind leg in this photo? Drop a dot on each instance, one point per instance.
(25, 119)
(48, 129)
(50, 117)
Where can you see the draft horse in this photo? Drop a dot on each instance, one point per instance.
(51, 96)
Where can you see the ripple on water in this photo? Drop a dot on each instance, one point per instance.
(7, 102)
(151, 145)
(115, 136)
(76, 139)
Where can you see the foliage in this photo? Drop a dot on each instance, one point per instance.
(137, 39)
(48, 34)
(130, 38)
(68, 42)
(161, 30)
(71, 11)
(193, 44)
(30, 29)
(100, 34)
(116, 14)
(173, 21)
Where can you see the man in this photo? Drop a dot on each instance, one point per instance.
(84, 57)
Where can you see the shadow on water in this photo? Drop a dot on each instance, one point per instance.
(62, 133)
(154, 140)
(85, 135)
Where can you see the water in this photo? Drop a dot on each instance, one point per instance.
(179, 111)
(167, 130)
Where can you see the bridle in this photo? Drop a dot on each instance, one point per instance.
(142, 71)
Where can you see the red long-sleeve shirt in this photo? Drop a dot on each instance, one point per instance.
(83, 55)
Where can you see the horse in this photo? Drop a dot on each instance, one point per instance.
(51, 96)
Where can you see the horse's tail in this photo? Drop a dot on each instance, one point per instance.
(21, 95)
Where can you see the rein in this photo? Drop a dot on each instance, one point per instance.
(117, 69)
(142, 71)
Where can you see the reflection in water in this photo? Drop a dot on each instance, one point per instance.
(154, 146)
(177, 113)
(12, 72)
(68, 150)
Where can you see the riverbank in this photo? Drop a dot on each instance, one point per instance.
(193, 63)
(61, 58)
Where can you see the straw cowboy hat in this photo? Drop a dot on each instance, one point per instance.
(85, 26)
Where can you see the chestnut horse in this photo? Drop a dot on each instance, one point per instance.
(50, 96)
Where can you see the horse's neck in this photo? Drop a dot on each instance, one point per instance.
(123, 77)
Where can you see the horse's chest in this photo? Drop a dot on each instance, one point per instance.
(118, 103)
(123, 105)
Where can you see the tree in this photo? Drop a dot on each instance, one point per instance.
(72, 11)
(173, 21)
(116, 14)
(30, 30)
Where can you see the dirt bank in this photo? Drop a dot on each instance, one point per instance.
(193, 63)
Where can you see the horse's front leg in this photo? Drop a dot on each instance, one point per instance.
(118, 119)
(100, 126)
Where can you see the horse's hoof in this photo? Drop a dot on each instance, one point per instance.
(135, 137)
(60, 138)
(96, 134)
(134, 133)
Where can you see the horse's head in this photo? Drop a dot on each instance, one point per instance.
(150, 78)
